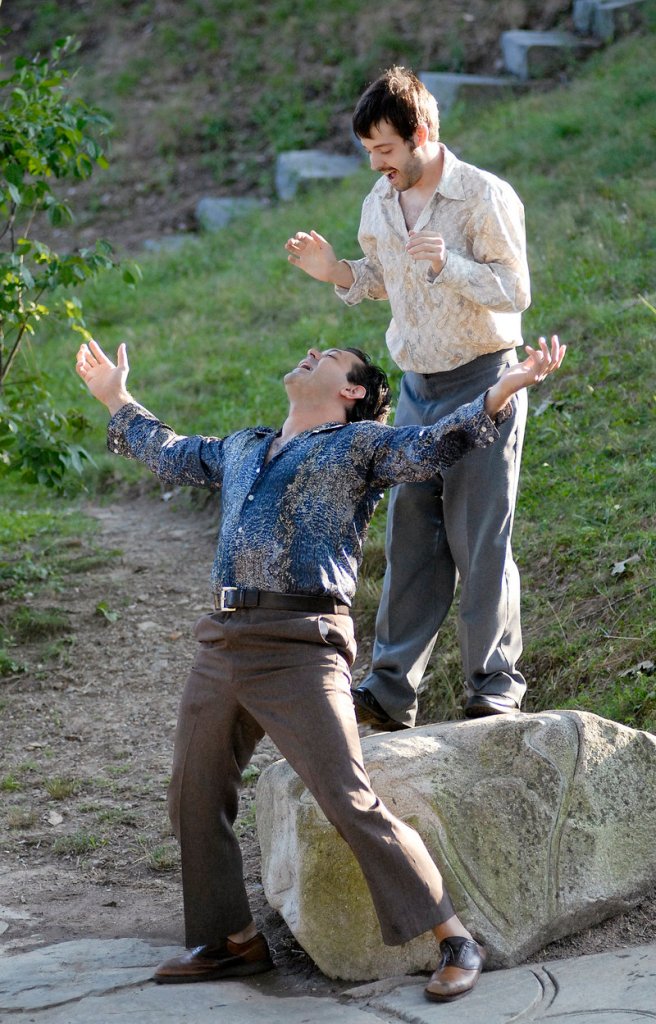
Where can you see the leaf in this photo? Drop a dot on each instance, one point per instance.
(27, 277)
(132, 274)
(21, 94)
(102, 608)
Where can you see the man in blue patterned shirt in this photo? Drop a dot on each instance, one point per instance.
(275, 654)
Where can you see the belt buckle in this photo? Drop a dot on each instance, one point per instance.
(222, 599)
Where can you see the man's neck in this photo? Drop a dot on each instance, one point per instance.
(303, 417)
(432, 173)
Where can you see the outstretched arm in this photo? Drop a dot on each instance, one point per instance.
(316, 256)
(532, 370)
(105, 381)
(137, 434)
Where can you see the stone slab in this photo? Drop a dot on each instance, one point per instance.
(603, 988)
(304, 165)
(170, 243)
(582, 12)
(606, 19)
(213, 213)
(529, 54)
(615, 18)
(108, 982)
(69, 971)
(229, 1002)
(104, 982)
(448, 88)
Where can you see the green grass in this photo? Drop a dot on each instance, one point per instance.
(43, 540)
(9, 783)
(60, 787)
(210, 333)
(77, 844)
(21, 818)
(163, 858)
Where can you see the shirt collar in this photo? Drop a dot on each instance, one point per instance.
(450, 185)
(268, 431)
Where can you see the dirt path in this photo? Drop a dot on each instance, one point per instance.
(87, 849)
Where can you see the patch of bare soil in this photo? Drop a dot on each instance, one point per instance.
(86, 847)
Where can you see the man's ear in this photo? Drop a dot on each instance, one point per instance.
(420, 135)
(352, 392)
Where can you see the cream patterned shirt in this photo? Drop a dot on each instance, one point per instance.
(475, 304)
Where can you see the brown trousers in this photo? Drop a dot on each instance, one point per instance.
(286, 674)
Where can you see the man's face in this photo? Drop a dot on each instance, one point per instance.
(323, 372)
(389, 154)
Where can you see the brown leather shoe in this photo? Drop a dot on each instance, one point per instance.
(458, 970)
(212, 963)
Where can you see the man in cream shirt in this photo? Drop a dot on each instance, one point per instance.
(444, 243)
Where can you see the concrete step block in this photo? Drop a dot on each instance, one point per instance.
(447, 87)
(582, 12)
(615, 18)
(300, 166)
(541, 54)
(213, 213)
(607, 19)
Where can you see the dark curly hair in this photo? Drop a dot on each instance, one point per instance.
(401, 99)
(376, 403)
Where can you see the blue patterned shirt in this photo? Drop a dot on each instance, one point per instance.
(297, 523)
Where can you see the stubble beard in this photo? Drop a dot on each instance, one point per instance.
(409, 174)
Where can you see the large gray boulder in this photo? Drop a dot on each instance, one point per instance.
(541, 824)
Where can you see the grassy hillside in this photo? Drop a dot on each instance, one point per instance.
(212, 330)
(205, 93)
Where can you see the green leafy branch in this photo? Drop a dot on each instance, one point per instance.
(45, 136)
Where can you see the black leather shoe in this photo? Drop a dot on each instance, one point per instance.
(212, 963)
(369, 712)
(458, 971)
(483, 704)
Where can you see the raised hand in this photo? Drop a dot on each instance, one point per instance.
(316, 256)
(539, 363)
(104, 379)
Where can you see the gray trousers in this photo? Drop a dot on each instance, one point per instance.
(287, 674)
(457, 526)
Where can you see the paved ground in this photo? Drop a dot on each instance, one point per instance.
(107, 982)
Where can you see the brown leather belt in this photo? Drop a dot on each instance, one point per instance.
(231, 599)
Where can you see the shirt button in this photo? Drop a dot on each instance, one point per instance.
(250, 497)
(257, 471)
(240, 529)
